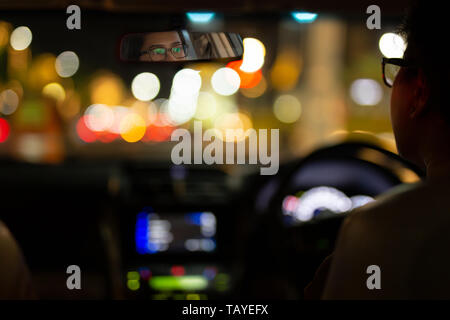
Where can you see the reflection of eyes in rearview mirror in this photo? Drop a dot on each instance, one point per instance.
(180, 45)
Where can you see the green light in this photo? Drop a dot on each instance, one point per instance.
(178, 283)
(133, 285)
(160, 296)
(133, 275)
(193, 296)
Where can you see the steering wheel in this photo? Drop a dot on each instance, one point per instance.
(292, 253)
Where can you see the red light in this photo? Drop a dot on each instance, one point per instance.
(248, 79)
(158, 134)
(177, 271)
(84, 132)
(4, 130)
(106, 137)
(159, 130)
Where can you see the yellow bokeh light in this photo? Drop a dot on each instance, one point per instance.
(285, 71)
(5, 29)
(54, 91)
(43, 71)
(287, 108)
(132, 127)
(233, 126)
(106, 88)
(206, 106)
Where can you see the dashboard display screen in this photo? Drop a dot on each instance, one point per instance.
(176, 233)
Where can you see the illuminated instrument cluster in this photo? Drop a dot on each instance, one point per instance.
(317, 202)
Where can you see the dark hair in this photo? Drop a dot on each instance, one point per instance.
(424, 29)
(130, 48)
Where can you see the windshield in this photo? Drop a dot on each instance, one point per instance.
(65, 93)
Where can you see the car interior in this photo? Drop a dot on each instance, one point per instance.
(81, 186)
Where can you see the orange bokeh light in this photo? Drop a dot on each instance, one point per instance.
(248, 79)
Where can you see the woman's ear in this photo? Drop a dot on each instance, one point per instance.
(421, 95)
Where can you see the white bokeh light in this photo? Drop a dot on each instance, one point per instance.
(21, 38)
(145, 86)
(186, 82)
(254, 52)
(9, 101)
(366, 92)
(67, 64)
(225, 81)
(392, 45)
(182, 103)
(99, 117)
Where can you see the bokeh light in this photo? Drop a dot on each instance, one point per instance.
(5, 29)
(254, 53)
(392, 45)
(132, 128)
(257, 91)
(145, 86)
(248, 79)
(159, 130)
(67, 64)
(54, 91)
(287, 108)
(233, 126)
(181, 110)
(366, 92)
(147, 110)
(21, 38)
(186, 82)
(200, 17)
(84, 133)
(9, 101)
(225, 81)
(119, 113)
(206, 106)
(4, 130)
(42, 71)
(71, 105)
(304, 17)
(106, 88)
(286, 70)
(99, 117)
(182, 102)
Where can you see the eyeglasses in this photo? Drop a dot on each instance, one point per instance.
(391, 67)
(159, 53)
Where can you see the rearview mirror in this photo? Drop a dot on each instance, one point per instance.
(180, 45)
